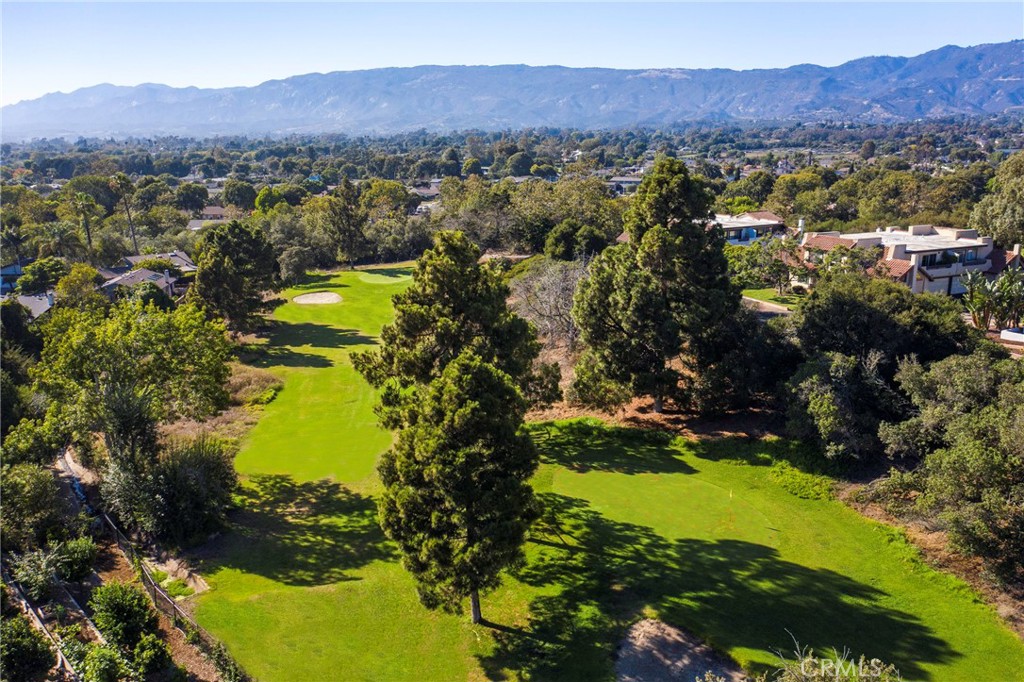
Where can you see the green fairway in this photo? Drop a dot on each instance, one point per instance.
(704, 535)
(773, 296)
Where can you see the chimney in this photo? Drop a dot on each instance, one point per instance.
(49, 298)
(1016, 249)
(167, 278)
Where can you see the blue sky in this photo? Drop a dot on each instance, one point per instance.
(49, 46)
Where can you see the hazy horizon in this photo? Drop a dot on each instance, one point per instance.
(217, 45)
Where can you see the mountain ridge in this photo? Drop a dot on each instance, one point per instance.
(951, 80)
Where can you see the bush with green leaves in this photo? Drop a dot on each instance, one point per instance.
(838, 402)
(41, 275)
(32, 440)
(25, 654)
(103, 664)
(966, 433)
(75, 558)
(30, 507)
(194, 481)
(122, 613)
(36, 571)
(151, 655)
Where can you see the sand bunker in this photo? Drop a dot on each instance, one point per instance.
(657, 652)
(317, 298)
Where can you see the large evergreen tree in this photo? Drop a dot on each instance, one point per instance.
(455, 368)
(236, 265)
(454, 304)
(654, 310)
(457, 498)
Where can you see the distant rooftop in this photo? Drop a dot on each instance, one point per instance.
(922, 238)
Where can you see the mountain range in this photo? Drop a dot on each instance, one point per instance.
(979, 80)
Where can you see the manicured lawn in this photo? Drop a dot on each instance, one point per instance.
(772, 295)
(704, 535)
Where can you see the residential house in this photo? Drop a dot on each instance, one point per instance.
(623, 184)
(116, 286)
(11, 272)
(36, 304)
(179, 259)
(743, 229)
(213, 213)
(923, 257)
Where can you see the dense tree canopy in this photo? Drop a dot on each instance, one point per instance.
(235, 267)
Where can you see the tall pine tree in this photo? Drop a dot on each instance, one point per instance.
(454, 369)
(654, 310)
(456, 494)
(454, 303)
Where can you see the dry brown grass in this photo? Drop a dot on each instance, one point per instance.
(249, 388)
(251, 385)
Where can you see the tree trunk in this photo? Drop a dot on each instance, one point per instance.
(474, 604)
(88, 234)
(659, 404)
(131, 227)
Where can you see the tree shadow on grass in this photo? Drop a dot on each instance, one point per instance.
(397, 273)
(297, 334)
(300, 533)
(731, 593)
(319, 281)
(583, 446)
(766, 452)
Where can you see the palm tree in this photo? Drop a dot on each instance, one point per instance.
(1008, 292)
(84, 207)
(123, 186)
(11, 237)
(60, 238)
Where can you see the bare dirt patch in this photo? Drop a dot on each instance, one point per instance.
(317, 298)
(653, 651)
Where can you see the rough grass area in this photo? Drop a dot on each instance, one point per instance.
(248, 385)
(736, 540)
(772, 295)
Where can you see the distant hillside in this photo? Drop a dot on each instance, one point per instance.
(952, 80)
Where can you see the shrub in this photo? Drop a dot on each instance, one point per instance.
(196, 480)
(36, 571)
(151, 655)
(75, 558)
(31, 440)
(41, 275)
(25, 655)
(122, 613)
(102, 664)
(30, 504)
(178, 588)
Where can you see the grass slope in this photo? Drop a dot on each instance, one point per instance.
(726, 539)
(772, 295)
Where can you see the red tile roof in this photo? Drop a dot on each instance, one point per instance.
(892, 268)
(1002, 259)
(820, 242)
